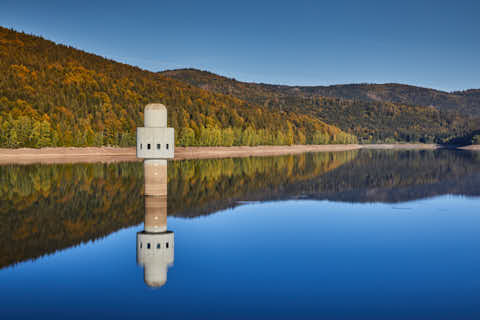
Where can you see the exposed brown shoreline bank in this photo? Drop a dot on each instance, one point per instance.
(110, 154)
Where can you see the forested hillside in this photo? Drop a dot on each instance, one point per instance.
(466, 102)
(366, 111)
(54, 95)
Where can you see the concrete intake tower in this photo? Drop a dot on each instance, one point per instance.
(155, 140)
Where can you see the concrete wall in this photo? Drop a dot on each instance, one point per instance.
(155, 252)
(155, 115)
(160, 140)
(155, 214)
(155, 173)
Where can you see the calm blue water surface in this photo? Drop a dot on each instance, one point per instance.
(355, 240)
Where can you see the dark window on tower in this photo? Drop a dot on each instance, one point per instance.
(158, 245)
(158, 146)
(148, 146)
(166, 245)
(148, 245)
(140, 146)
(141, 245)
(167, 146)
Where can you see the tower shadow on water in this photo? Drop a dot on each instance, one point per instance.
(155, 244)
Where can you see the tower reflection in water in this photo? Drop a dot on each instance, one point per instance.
(155, 245)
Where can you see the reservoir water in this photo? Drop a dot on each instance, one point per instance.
(344, 235)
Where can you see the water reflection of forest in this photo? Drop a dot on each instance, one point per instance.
(44, 208)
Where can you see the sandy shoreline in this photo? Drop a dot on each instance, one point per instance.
(109, 154)
(472, 147)
(403, 146)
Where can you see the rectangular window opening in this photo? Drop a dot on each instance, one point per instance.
(140, 146)
(148, 245)
(166, 146)
(158, 146)
(148, 146)
(166, 245)
(158, 245)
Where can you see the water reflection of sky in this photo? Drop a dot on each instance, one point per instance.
(285, 259)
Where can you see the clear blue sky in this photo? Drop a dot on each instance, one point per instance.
(428, 43)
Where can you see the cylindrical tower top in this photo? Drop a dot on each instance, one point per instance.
(155, 116)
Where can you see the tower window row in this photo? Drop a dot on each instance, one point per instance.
(149, 146)
(149, 245)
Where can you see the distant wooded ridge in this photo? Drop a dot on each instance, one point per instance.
(467, 101)
(373, 112)
(54, 95)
